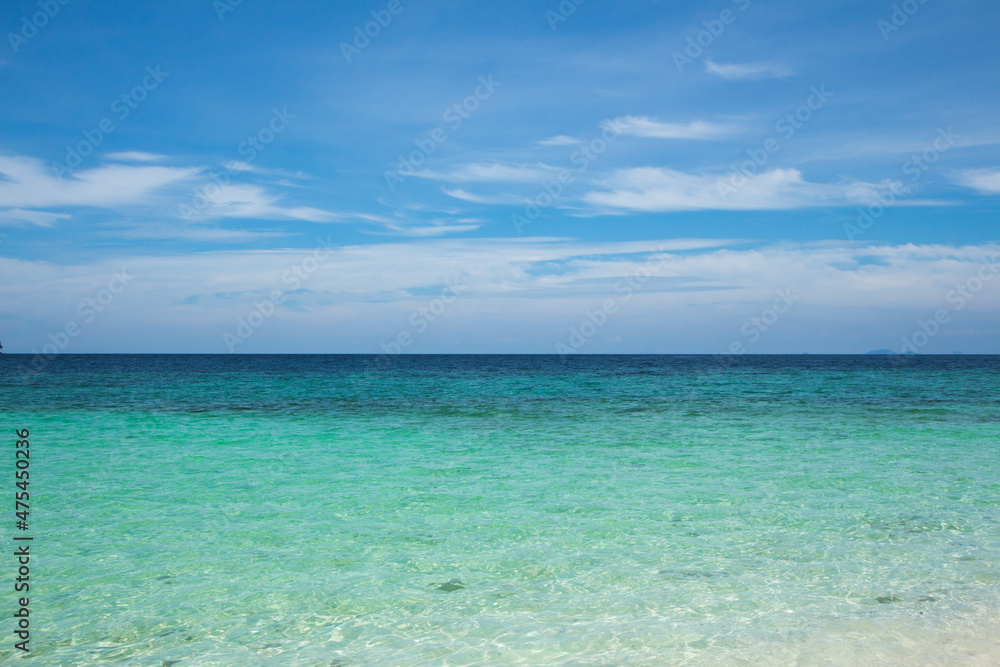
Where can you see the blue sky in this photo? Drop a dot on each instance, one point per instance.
(628, 177)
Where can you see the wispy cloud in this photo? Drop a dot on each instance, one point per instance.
(657, 189)
(27, 184)
(491, 173)
(191, 233)
(559, 140)
(365, 217)
(253, 202)
(236, 166)
(439, 228)
(30, 184)
(40, 218)
(986, 181)
(361, 291)
(134, 156)
(749, 71)
(463, 195)
(644, 126)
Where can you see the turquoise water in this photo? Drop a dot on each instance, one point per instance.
(303, 510)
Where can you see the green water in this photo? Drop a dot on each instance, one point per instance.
(509, 510)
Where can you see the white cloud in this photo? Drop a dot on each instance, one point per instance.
(239, 165)
(191, 233)
(560, 140)
(459, 193)
(366, 217)
(30, 184)
(657, 189)
(253, 202)
(134, 156)
(40, 218)
(535, 287)
(491, 173)
(986, 181)
(644, 126)
(499, 265)
(437, 229)
(748, 71)
(27, 183)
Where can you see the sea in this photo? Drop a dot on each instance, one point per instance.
(348, 510)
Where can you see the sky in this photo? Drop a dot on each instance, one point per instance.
(421, 176)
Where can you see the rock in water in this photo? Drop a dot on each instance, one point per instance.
(453, 585)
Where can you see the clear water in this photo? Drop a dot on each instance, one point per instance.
(464, 510)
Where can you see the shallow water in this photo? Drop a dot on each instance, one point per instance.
(463, 510)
